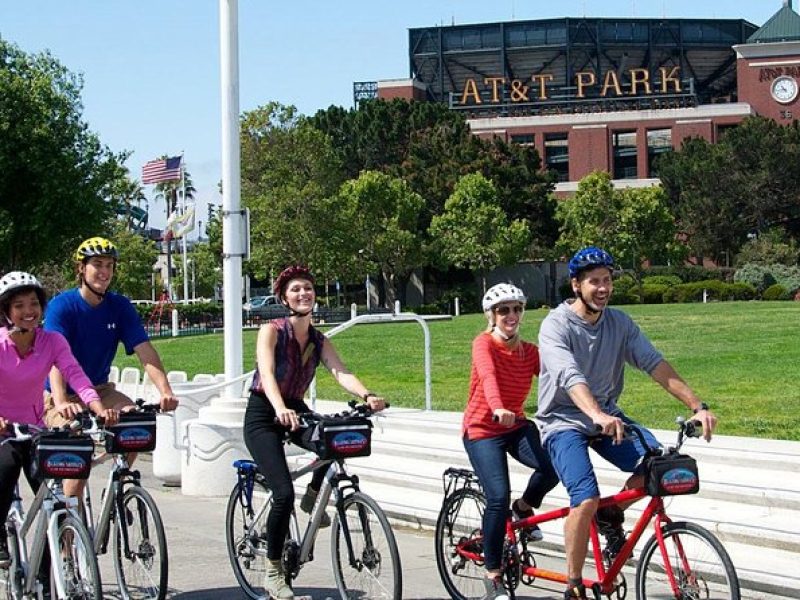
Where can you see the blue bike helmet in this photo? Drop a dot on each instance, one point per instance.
(589, 258)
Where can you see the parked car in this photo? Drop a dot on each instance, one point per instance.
(264, 307)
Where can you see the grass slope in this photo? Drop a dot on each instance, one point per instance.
(741, 358)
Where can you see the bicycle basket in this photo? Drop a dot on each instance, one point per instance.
(671, 475)
(341, 437)
(62, 455)
(135, 432)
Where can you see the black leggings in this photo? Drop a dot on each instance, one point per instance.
(14, 458)
(264, 440)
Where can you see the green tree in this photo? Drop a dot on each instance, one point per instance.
(137, 256)
(749, 182)
(431, 147)
(474, 233)
(56, 179)
(387, 214)
(290, 176)
(634, 225)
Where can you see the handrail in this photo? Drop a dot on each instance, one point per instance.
(383, 318)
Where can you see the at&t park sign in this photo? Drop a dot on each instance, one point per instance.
(607, 92)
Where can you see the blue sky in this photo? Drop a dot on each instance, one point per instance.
(151, 67)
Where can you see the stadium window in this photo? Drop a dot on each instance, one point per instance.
(523, 139)
(659, 141)
(624, 146)
(556, 154)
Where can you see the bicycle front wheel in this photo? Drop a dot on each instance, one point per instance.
(74, 561)
(246, 537)
(700, 567)
(141, 565)
(461, 520)
(373, 569)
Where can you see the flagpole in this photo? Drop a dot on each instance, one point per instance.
(232, 246)
(183, 237)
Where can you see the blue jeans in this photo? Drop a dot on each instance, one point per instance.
(488, 458)
(569, 451)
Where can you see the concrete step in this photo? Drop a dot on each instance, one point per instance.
(749, 497)
(761, 573)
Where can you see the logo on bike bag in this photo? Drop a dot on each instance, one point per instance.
(679, 481)
(134, 438)
(349, 442)
(64, 464)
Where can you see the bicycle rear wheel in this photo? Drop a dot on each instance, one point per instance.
(461, 519)
(702, 568)
(142, 568)
(375, 569)
(246, 537)
(74, 557)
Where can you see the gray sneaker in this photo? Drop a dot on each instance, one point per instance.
(494, 589)
(275, 582)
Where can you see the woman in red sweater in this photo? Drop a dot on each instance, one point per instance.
(503, 368)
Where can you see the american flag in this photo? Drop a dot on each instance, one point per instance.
(162, 169)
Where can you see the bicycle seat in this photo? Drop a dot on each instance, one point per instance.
(245, 464)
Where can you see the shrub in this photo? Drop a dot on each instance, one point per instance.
(667, 280)
(759, 276)
(715, 290)
(788, 277)
(653, 293)
(427, 309)
(739, 291)
(776, 292)
(689, 273)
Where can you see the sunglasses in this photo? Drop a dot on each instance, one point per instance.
(504, 310)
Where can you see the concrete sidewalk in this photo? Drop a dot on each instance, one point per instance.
(750, 498)
(200, 570)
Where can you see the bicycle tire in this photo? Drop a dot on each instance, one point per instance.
(246, 541)
(369, 577)
(697, 557)
(74, 553)
(143, 575)
(460, 518)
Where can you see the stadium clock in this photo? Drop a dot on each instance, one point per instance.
(784, 89)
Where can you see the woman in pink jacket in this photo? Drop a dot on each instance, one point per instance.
(27, 353)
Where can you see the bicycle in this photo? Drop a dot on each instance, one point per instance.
(141, 560)
(681, 561)
(74, 574)
(364, 553)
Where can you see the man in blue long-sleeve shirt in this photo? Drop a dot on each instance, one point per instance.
(583, 347)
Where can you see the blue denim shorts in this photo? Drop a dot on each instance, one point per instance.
(569, 453)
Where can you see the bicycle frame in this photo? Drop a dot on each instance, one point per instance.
(606, 577)
(118, 479)
(47, 506)
(334, 476)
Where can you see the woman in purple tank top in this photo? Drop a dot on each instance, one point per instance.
(288, 352)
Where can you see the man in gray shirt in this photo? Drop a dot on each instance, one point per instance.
(583, 348)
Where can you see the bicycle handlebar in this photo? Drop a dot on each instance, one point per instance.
(307, 419)
(686, 429)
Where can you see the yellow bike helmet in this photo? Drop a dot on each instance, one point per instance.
(95, 246)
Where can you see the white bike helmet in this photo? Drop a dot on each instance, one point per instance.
(17, 279)
(502, 292)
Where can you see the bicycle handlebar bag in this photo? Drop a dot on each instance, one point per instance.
(62, 455)
(135, 432)
(671, 475)
(341, 437)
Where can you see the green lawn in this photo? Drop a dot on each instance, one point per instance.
(741, 357)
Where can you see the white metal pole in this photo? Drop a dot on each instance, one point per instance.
(232, 247)
(183, 237)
